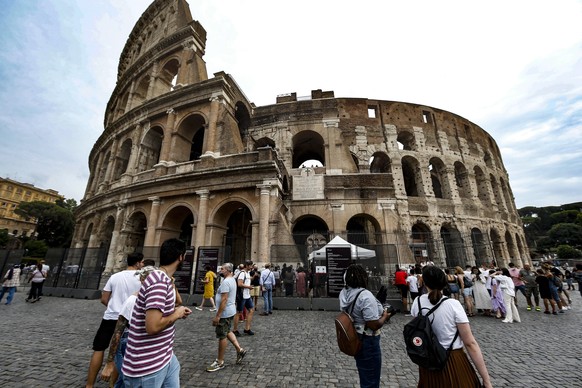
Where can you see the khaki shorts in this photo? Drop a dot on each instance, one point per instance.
(256, 291)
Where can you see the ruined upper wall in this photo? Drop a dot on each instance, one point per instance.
(161, 20)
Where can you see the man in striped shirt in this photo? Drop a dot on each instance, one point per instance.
(149, 358)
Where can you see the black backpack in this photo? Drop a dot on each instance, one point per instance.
(467, 282)
(422, 344)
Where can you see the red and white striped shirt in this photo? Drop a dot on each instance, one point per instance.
(146, 354)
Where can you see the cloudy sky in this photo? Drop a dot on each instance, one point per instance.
(512, 67)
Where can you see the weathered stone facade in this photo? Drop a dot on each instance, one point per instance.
(184, 155)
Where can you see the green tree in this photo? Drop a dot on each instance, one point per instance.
(36, 248)
(568, 252)
(569, 234)
(4, 238)
(54, 223)
(565, 217)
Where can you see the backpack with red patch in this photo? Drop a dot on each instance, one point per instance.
(422, 344)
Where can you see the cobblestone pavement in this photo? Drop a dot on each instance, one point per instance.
(48, 344)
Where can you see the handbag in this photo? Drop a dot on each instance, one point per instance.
(348, 339)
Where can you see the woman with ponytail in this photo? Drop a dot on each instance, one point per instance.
(449, 318)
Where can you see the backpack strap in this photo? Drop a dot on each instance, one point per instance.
(351, 306)
(432, 311)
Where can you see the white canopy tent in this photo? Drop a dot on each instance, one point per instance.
(337, 241)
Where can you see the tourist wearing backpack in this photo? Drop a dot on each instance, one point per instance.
(369, 316)
(449, 318)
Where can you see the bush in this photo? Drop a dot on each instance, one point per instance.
(568, 252)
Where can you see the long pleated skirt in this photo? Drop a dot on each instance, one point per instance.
(458, 373)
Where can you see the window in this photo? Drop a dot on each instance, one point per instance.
(426, 117)
(372, 112)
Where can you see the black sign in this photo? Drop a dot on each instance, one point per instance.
(206, 256)
(338, 260)
(183, 276)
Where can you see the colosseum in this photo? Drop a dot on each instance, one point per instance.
(190, 156)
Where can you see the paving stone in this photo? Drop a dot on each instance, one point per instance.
(48, 344)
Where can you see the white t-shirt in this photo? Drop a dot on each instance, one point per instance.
(121, 285)
(412, 281)
(445, 319)
(127, 307)
(246, 278)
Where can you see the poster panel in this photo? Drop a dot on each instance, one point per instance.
(206, 256)
(183, 276)
(338, 260)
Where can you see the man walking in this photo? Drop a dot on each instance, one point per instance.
(226, 302)
(244, 281)
(149, 359)
(267, 282)
(118, 288)
(531, 287)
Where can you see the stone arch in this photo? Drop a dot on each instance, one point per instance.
(505, 192)
(106, 232)
(121, 105)
(438, 177)
(521, 251)
(406, 141)
(422, 243)
(234, 223)
(122, 159)
(87, 235)
(135, 230)
(487, 159)
(265, 142)
(243, 118)
(177, 223)
(311, 233)
(496, 192)
(167, 77)
(308, 145)
(481, 183)
(480, 246)
(462, 180)
(188, 145)
(363, 229)
(497, 244)
(140, 93)
(103, 169)
(412, 176)
(151, 148)
(380, 163)
(511, 248)
(453, 245)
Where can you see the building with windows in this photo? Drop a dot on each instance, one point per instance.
(186, 155)
(11, 194)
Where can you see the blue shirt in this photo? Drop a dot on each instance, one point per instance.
(228, 285)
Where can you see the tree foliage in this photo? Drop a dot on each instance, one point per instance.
(35, 248)
(54, 223)
(549, 227)
(568, 252)
(4, 238)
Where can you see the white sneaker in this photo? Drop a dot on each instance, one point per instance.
(199, 308)
(212, 309)
(569, 307)
(564, 308)
(507, 321)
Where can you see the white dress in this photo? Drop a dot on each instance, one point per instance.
(482, 298)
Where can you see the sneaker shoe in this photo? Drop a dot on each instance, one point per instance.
(569, 307)
(240, 355)
(236, 333)
(538, 308)
(547, 312)
(215, 366)
(212, 309)
(507, 321)
(199, 308)
(528, 308)
(249, 332)
(264, 314)
(270, 312)
(564, 308)
(555, 313)
(562, 312)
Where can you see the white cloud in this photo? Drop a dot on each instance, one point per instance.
(514, 68)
